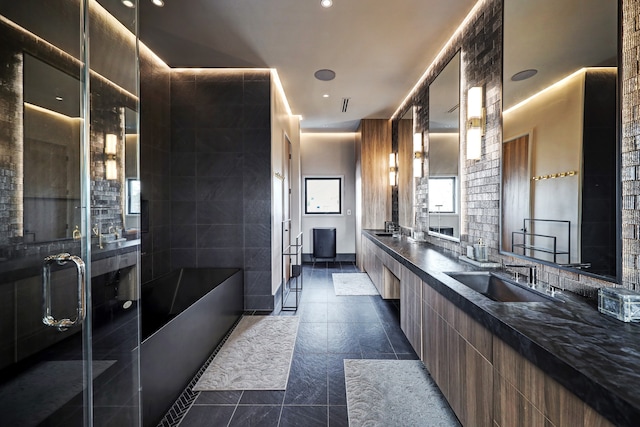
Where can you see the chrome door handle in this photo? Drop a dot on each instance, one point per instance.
(47, 318)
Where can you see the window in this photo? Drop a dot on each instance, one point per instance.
(323, 196)
(442, 195)
(133, 196)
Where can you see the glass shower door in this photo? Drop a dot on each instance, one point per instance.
(69, 249)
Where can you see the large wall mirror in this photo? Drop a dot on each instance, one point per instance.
(406, 182)
(444, 152)
(560, 133)
(51, 156)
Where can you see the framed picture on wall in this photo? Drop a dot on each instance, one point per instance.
(323, 195)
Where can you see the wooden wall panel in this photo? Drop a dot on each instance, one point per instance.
(375, 147)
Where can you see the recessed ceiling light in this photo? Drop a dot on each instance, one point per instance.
(158, 3)
(128, 3)
(325, 75)
(326, 3)
(326, 95)
(58, 98)
(523, 75)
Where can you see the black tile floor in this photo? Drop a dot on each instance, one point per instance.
(332, 328)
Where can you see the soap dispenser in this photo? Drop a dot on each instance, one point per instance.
(480, 251)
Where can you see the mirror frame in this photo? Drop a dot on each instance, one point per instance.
(618, 158)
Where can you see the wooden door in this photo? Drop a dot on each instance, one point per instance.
(515, 188)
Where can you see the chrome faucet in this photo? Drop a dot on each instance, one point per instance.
(98, 232)
(533, 272)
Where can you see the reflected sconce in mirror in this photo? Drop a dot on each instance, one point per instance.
(418, 155)
(393, 169)
(475, 122)
(110, 149)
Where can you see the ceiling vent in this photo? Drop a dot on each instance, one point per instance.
(345, 104)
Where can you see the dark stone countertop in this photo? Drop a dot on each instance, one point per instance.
(29, 266)
(594, 356)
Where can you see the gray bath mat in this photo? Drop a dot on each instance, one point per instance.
(353, 284)
(30, 398)
(257, 356)
(394, 393)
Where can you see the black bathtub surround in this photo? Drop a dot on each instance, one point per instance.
(185, 314)
(594, 356)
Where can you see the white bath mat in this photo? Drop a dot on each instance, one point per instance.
(353, 284)
(257, 356)
(394, 393)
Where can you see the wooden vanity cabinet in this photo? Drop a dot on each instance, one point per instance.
(526, 396)
(486, 382)
(457, 353)
(383, 270)
(411, 308)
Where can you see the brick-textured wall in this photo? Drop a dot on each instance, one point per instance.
(11, 151)
(630, 164)
(480, 44)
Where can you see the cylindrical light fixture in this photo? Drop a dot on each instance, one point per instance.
(475, 122)
(418, 155)
(393, 169)
(110, 151)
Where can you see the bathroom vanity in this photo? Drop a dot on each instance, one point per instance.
(509, 363)
(24, 334)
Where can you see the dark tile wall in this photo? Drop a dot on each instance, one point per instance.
(155, 165)
(221, 175)
(598, 232)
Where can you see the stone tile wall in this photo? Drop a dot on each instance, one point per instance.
(630, 150)
(221, 175)
(155, 166)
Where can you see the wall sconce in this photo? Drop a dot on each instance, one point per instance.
(393, 169)
(110, 150)
(418, 155)
(476, 116)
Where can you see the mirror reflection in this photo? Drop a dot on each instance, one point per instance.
(49, 202)
(444, 152)
(51, 157)
(560, 133)
(406, 182)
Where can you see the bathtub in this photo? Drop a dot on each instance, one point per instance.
(184, 315)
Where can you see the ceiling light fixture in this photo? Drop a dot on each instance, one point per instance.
(326, 3)
(158, 3)
(59, 98)
(326, 95)
(128, 3)
(325, 75)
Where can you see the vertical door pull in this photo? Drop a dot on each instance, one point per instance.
(48, 319)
